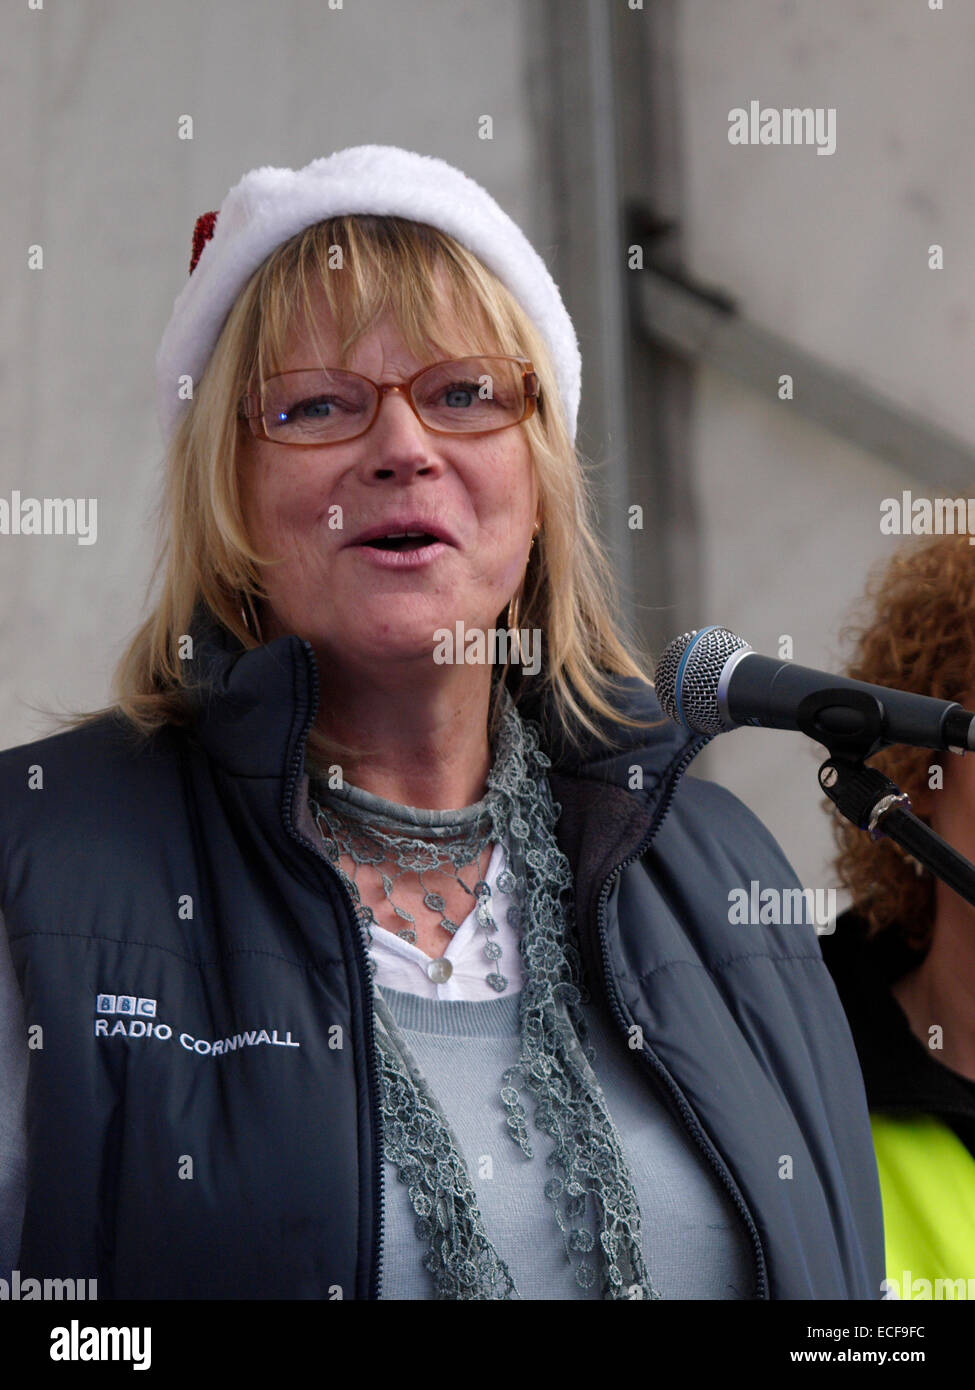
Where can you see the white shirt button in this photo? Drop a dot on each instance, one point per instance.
(440, 970)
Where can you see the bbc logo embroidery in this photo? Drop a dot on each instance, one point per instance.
(136, 1018)
(125, 1004)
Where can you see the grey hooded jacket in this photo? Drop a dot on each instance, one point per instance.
(162, 896)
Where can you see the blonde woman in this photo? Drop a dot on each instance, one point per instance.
(379, 939)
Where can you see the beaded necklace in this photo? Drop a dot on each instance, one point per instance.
(368, 829)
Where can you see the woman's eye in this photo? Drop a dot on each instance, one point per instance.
(315, 408)
(461, 393)
(319, 409)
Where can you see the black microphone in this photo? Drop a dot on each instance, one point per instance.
(711, 680)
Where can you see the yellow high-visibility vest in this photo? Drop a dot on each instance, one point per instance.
(927, 1182)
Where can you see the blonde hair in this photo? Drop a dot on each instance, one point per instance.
(916, 632)
(387, 264)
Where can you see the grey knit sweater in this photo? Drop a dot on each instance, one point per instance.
(694, 1243)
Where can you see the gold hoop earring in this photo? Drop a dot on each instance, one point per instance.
(514, 605)
(255, 630)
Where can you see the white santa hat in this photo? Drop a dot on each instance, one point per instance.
(269, 205)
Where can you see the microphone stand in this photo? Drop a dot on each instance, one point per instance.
(850, 724)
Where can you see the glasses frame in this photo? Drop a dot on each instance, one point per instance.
(251, 404)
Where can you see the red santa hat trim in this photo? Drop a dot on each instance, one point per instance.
(202, 233)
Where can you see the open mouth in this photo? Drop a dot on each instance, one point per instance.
(410, 540)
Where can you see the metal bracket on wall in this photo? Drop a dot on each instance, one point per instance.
(704, 325)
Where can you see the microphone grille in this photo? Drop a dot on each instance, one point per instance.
(687, 675)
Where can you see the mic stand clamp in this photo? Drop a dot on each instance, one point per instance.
(851, 725)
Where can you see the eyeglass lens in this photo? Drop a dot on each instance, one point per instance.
(466, 395)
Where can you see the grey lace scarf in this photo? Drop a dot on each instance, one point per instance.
(591, 1190)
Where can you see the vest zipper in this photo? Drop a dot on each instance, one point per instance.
(372, 1062)
(687, 1114)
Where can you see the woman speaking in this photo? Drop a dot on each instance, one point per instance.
(375, 943)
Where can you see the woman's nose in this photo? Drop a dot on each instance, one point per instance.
(399, 437)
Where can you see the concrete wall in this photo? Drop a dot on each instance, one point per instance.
(832, 253)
